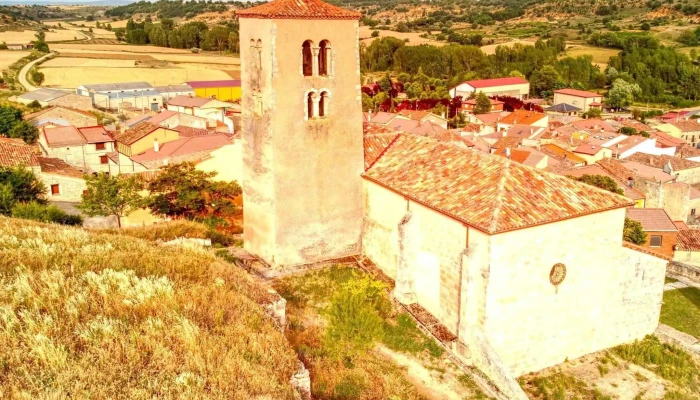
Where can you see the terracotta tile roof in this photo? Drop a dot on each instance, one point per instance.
(39, 113)
(560, 154)
(577, 93)
(16, 153)
(188, 101)
(504, 142)
(297, 9)
(486, 83)
(161, 116)
(694, 193)
(522, 117)
(376, 140)
(688, 240)
(645, 250)
(95, 134)
(114, 156)
(139, 118)
(183, 147)
(379, 118)
(188, 131)
(663, 139)
(418, 115)
(660, 161)
(594, 124)
(633, 123)
(687, 126)
(521, 156)
(427, 128)
(680, 225)
(490, 118)
(487, 192)
(135, 133)
(63, 136)
(652, 219)
(596, 169)
(588, 149)
(685, 150)
(57, 166)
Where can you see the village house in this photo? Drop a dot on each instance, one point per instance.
(41, 95)
(214, 110)
(61, 116)
(482, 243)
(661, 232)
(224, 90)
(563, 109)
(687, 130)
(688, 247)
(84, 148)
(522, 117)
(512, 87)
(578, 98)
(684, 170)
(424, 116)
(468, 106)
(142, 137)
(561, 154)
(629, 191)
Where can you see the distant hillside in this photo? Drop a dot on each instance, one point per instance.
(88, 314)
(171, 9)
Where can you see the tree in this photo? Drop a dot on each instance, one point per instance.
(646, 26)
(216, 38)
(9, 117)
(168, 24)
(111, 195)
(175, 40)
(41, 46)
(622, 93)
(19, 185)
(158, 37)
(234, 45)
(544, 81)
(25, 131)
(375, 33)
(593, 112)
(37, 77)
(633, 232)
(600, 181)
(182, 191)
(483, 104)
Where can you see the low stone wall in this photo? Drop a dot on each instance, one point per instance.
(691, 272)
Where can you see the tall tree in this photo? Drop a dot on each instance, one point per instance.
(25, 131)
(483, 104)
(217, 38)
(111, 195)
(9, 117)
(19, 185)
(622, 93)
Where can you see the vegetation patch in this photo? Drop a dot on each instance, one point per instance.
(681, 310)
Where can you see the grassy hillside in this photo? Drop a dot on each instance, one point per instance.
(99, 315)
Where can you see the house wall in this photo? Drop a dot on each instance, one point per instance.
(583, 103)
(73, 100)
(670, 129)
(674, 200)
(692, 137)
(689, 176)
(610, 295)
(151, 102)
(591, 159)
(72, 155)
(668, 240)
(70, 188)
(161, 134)
(519, 91)
(687, 257)
(227, 162)
(224, 93)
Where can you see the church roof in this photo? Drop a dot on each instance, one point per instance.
(297, 9)
(487, 192)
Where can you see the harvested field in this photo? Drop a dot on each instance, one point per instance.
(63, 62)
(491, 49)
(176, 55)
(72, 77)
(413, 37)
(8, 57)
(102, 41)
(107, 56)
(600, 55)
(28, 36)
(120, 48)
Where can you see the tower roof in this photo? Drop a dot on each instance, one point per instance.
(297, 9)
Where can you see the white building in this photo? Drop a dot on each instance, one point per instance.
(513, 87)
(578, 98)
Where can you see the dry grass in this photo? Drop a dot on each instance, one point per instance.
(28, 36)
(9, 57)
(72, 77)
(95, 315)
(414, 38)
(73, 62)
(600, 55)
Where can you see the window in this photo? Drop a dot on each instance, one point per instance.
(310, 105)
(103, 160)
(307, 58)
(99, 146)
(55, 189)
(655, 241)
(692, 211)
(323, 104)
(323, 57)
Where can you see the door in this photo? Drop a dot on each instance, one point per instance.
(154, 106)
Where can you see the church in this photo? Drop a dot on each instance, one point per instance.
(526, 268)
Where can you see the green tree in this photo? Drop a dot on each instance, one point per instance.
(645, 26)
(544, 81)
(19, 185)
(9, 117)
(234, 45)
(158, 37)
(136, 36)
(622, 93)
(25, 131)
(593, 112)
(111, 195)
(182, 191)
(37, 77)
(43, 213)
(175, 40)
(375, 33)
(168, 24)
(483, 104)
(600, 181)
(216, 38)
(633, 232)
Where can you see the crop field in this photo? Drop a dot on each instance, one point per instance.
(8, 57)
(491, 49)
(414, 38)
(28, 36)
(601, 56)
(72, 77)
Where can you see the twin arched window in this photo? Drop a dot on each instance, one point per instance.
(317, 104)
(316, 58)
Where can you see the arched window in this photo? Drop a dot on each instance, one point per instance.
(323, 104)
(324, 58)
(310, 105)
(307, 58)
(258, 47)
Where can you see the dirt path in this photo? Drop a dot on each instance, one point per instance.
(435, 384)
(25, 70)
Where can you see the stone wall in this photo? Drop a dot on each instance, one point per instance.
(675, 200)
(75, 118)
(70, 188)
(689, 271)
(73, 100)
(610, 295)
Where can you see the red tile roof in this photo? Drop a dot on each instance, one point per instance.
(39, 113)
(182, 147)
(645, 250)
(96, 134)
(161, 116)
(652, 219)
(588, 149)
(486, 83)
(522, 117)
(680, 225)
(660, 161)
(187, 101)
(136, 133)
(487, 192)
(686, 150)
(297, 9)
(687, 126)
(596, 169)
(561, 154)
(688, 240)
(57, 166)
(188, 131)
(63, 136)
(16, 153)
(594, 124)
(215, 84)
(578, 93)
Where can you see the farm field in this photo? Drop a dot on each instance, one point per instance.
(491, 48)
(8, 57)
(413, 37)
(72, 77)
(120, 48)
(27, 36)
(601, 56)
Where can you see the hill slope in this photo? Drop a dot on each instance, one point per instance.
(98, 315)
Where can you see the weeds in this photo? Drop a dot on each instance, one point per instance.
(681, 310)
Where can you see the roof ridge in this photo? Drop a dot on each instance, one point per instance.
(499, 196)
(394, 140)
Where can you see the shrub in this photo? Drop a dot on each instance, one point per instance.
(42, 213)
(375, 33)
(633, 232)
(34, 104)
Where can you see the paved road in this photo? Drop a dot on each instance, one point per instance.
(25, 70)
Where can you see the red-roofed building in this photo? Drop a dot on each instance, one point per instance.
(468, 106)
(83, 148)
(661, 232)
(523, 117)
(578, 98)
(512, 86)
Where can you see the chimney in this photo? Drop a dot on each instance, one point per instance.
(595, 127)
(369, 116)
(630, 181)
(508, 153)
(532, 131)
(122, 128)
(156, 146)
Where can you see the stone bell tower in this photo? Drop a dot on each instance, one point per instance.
(302, 131)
